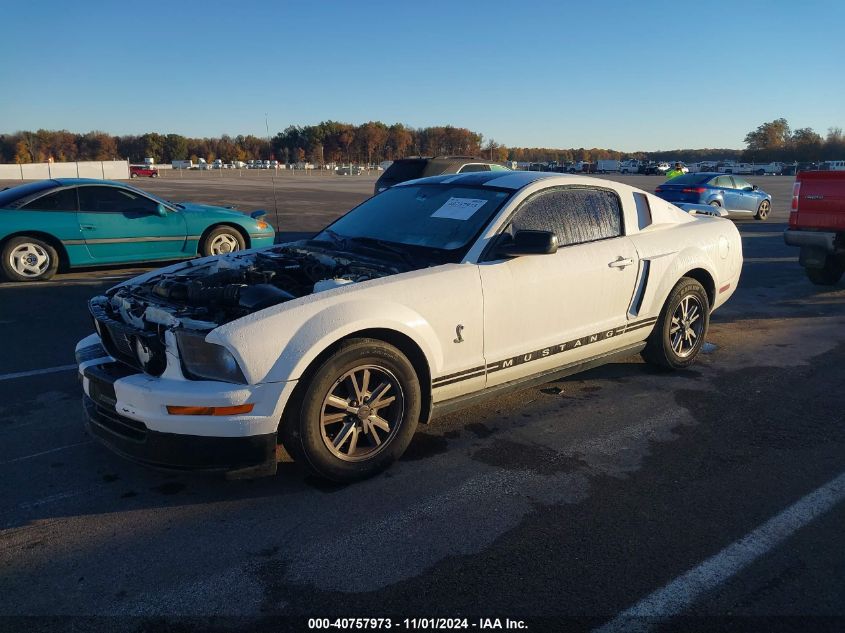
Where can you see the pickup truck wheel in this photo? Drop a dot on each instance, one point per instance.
(829, 275)
(357, 414)
(26, 258)
(763, 210)
(133, 175)
(223, 240)
(679, 334)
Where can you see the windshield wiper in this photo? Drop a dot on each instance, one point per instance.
(336, 238)
(390, 247)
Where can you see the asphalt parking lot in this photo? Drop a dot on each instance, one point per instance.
(620, 491)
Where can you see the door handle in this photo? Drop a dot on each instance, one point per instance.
(621, 262)
(87, 227)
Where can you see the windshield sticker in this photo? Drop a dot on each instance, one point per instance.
(459, 208)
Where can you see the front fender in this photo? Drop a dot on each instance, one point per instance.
(280, 347)
(339, 321)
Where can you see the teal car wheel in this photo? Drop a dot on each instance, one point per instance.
(223, 240)
(27, 258)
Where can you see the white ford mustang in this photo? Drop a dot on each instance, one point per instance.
(423, 299)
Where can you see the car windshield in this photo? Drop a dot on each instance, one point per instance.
(425, 216)
(10, 195)
(690, 179)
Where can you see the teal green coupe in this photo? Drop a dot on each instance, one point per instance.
(70, 222)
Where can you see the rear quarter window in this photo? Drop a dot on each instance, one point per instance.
(62, 200)
(8, 197)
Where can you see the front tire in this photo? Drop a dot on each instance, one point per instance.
(357, 414)
(763, 210)
(26, 258)
(679, 334)
(223, 240)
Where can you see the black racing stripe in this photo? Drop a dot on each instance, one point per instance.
(458, 373)
(640, 326)
(544, 352)
(642, 322)
(460, 379)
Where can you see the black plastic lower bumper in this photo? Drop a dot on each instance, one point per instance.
(253, 455)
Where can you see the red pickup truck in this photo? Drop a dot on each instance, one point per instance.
(817, 224)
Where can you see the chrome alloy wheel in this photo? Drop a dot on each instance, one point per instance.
(763, 210)
(29, 260)
(687, 326)
(224, 243)
(361, 413)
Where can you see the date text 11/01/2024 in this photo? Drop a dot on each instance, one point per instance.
(416, 623)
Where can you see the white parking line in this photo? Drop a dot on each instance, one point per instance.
(56, 497)
(679, 594)
(52, 450)
(36, 372)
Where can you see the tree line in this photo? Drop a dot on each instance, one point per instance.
(373, 142)
(775, 141)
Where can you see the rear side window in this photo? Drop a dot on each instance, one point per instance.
(9, 196)
(62, 200)
(725, 182)
(575, 215)
(643, 210)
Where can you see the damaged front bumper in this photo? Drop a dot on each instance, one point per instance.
(127, 411)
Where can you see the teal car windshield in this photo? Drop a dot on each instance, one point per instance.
(437, 216)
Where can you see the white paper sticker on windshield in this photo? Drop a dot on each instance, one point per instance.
(459, 208)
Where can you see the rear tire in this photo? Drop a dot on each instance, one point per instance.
(27, 258)
(763, 210)
(679, 333)
(829, 275)
(356, 414)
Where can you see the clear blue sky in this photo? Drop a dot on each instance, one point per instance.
(628, 75)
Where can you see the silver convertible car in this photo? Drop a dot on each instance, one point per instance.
(427, 297)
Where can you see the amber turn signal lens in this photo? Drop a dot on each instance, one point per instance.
(234, 410)
(262, 225)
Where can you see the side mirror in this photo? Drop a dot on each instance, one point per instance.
(754, 187)
(528, 243)
(161, 210)
(257, 215)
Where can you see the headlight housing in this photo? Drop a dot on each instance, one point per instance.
(207, 361)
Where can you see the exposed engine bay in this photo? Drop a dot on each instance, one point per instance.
(203, 296)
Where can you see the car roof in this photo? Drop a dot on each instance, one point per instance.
(513, 180)
(67, 182)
